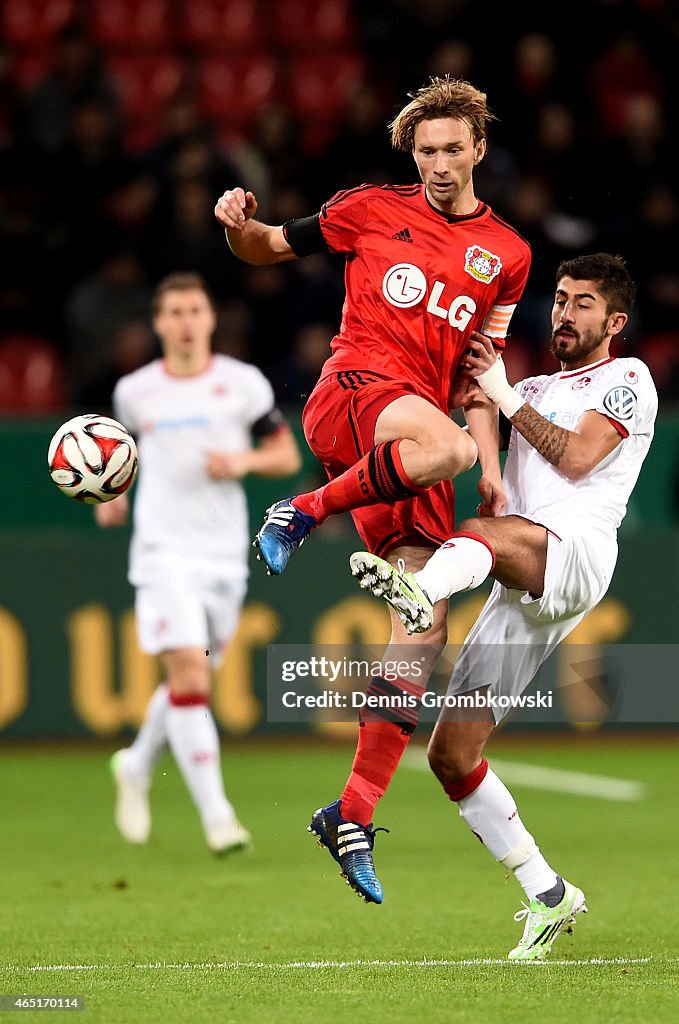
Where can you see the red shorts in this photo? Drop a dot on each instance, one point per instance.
(339, 425)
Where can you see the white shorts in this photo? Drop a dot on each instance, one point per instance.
(515, 633)
(190, 607)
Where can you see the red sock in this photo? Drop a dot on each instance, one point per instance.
(380, 748)
(188, 700)
(465, 786)
(379, 477)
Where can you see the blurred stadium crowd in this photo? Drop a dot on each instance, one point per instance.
(122, 121)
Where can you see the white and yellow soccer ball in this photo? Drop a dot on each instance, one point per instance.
(92, 458)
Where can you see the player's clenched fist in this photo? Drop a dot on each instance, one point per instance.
(235, 207)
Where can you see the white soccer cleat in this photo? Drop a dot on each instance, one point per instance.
(227, 836)
(545, 924)
(132, 812)
(399, 588)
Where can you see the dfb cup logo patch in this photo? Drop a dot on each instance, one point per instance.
(481, 264)
(620, 402)
(404, 285)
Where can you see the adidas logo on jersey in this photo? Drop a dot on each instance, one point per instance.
(403, 236)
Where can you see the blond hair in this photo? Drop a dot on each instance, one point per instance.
(442, 97)
(186, 281)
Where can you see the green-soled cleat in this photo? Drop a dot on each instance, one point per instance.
(399, 588)
(544, 924)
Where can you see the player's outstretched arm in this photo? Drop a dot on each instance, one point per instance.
(575, 453)
(249, 239)
(276, 455)
(112, 513)
(482, 419)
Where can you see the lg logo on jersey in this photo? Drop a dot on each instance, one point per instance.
(404, 285)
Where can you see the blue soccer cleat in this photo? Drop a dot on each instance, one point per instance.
(351, 845)
(285, 529)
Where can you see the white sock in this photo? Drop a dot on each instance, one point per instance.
(535, 875)
(151, 739)
(194, 741)
(491, 814)
(462, 563)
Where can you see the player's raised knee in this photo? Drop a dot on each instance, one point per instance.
(448, 761)
(454, 456)
(477, 525)
(468, 452)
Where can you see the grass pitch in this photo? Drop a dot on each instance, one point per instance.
(168, 933)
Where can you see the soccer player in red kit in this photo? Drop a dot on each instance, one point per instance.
(426, 264)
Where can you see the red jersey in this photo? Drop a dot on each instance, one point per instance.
(418, 282)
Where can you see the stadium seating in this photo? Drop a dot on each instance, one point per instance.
(227, 25)
(660, 352)
(30, 67)
(320, 84)
(31, 376)
(235, 56)
(232, 88)
(519, 360)
(145, 82)
(34, 23)
(130, 24)
(318, 26)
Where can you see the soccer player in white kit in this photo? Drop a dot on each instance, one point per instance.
(578, 440)
(202, 421)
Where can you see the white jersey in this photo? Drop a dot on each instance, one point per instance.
(622, 390)
(516, 632)
(179, 511)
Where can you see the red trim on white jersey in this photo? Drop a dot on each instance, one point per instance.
(550, 532)
(586, 369)
(623, 431)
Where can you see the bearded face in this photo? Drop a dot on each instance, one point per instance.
(571, 345)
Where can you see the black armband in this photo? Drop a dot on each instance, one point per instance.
(304, 235)
(268, 424)
(505, 426)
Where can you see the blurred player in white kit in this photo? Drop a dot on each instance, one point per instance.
(578, 440)
(202, 422)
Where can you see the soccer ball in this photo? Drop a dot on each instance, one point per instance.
(92, 458)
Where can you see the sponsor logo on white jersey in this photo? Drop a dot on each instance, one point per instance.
(620, 402)
(581, 383)
(481, 264)
(404, 285)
